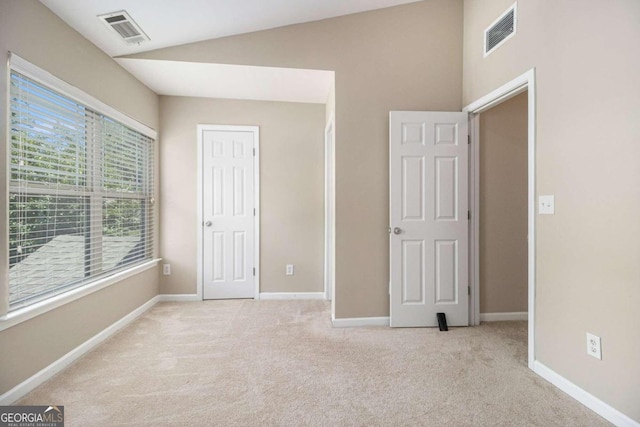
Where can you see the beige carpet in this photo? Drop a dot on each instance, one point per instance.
(280, 363)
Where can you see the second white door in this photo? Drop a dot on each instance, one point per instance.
(228, 209)
(429, 226)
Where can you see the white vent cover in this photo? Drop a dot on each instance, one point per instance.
(501, 30)
(124, 26)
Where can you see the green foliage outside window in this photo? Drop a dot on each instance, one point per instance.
(77, 177)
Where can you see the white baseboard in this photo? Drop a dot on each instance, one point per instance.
(48, 372)
(360, 321)
(587, 399)
(501, 317)
(291, 295)
(179, 297)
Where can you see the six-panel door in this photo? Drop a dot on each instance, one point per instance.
(228, 210)
(428, 218)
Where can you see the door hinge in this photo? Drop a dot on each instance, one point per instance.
(468, 290)
(469, 215)
(254, 152)
(254, 271)
(254, 211)
(468, 139)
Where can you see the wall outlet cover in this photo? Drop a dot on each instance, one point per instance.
(289, 270)
(594, 346)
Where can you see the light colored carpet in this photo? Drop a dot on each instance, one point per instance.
(280, 363)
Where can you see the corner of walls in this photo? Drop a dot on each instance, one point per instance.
(406, 57)
(291, 188)
(32, 31)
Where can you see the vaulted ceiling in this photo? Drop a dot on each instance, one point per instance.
(175, 22)
(171, 23)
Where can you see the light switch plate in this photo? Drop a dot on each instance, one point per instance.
(546, 205)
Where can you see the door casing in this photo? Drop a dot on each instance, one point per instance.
(201, 128)
(329, 214)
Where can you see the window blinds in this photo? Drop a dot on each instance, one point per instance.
(81, 193)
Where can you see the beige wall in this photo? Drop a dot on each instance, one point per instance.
(30, 30)
(503, 207)
(587, 151)
(291, 188)
(408, 57)
(401, 58)
(30, 346)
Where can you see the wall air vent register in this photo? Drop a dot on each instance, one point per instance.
(501, 30)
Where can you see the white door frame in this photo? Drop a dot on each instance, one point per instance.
(256, 219)
(329, 212)
(524, 82)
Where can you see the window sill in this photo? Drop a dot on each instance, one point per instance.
(23, 314)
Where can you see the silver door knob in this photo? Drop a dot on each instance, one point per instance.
(397, 230)
(208, 224)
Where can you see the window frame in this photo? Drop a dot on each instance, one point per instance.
(16, 315)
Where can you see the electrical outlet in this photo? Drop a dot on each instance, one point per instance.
(546, 205)
(289, 269)
(166, 269)
(594, 347)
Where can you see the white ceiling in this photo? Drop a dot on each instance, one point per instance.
(177, 78)
(176, 22)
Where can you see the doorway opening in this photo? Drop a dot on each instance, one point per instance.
(502, 213)
(522, 84)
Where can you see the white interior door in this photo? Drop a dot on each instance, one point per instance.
(228, 210)
(429, 238)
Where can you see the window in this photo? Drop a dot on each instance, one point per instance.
(80, 193)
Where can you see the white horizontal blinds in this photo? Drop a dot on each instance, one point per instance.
(80, 194)
(48, 201)
(126, 204)
(47, 135)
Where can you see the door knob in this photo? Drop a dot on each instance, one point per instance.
(397, 230)
(208, 224)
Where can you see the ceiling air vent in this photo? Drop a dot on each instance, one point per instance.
(121, 23)
(500, 31)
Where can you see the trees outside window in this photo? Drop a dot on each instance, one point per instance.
(81, 193)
